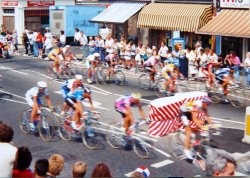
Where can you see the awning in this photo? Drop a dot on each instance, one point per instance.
(235, 23)
(118, 13)
(181, 17)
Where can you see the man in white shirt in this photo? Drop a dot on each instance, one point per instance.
(83, 39)
(108, 44)
(62, 38)
(77, 38)
(163, 52)
(47, 33)
(7, 151)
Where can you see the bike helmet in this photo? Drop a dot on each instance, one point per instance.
(42, 84)
(136, 96)
(87, 90)
(96, 54)
(78, 77)
(206, 100)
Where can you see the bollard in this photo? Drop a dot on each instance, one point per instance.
(246, 138)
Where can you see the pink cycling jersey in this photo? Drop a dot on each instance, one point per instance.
(124, 102)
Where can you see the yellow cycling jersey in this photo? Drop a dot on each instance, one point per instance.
(168, 68)
(55, 51)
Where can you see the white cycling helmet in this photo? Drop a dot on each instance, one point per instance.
(42, 84)
(96, 54)
(136, 96)
(78, 77)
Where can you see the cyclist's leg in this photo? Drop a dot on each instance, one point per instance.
(188, 132)
(152, 74)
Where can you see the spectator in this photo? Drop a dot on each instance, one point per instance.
(197, 49)
(220, 163)
(48, 45)
(176, 58)
(77, 38)
(83, 39)
(79, 169)
(142, 172)
(7, 150)
(191, 62)
(41, 168)
(101, 170)
(47, 33)
(108, 44)
(247, 69)
(15, 41)
(163, 52)
(91, 45)
(23, 161)
(62, 39)
(39, 42)
(31, 42)
(35, 47)
(26, 43)
(235, 60)
(101, 48)
(56, 164)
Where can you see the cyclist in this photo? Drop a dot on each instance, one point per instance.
(73, 100)
(56, 56)
(123, 106)
(150, 65)
(206, 68)
(112, 60)
(170, 73)
(91, 63)
(225, 77)
(189, 111)
(70, 86)
(33, 97)
(68, 56)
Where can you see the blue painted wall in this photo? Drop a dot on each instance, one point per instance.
(79, 16)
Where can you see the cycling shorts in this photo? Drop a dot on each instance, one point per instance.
(122, 112)
(30, 101)
(70, 102)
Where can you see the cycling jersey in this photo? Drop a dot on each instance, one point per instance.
(35, 92)
(89, 59)
(109, 57)
(151, 61)
(68, 85)
(167, 69)
(187, 108)
(220, 74)
(124, 102)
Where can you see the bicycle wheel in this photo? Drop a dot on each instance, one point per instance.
(214, 96)
(180, 88)
(119, 77)
(63, 133)
(44, 129)
(140, 148)
(23, 121)
(236, 98)
(114, 139)
(89, 136)
(1, 81)
(144, 81)
(101, 75)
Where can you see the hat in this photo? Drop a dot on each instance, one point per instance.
(47, 28)
(143, 170)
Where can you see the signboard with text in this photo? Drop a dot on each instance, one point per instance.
(8, 3)
(40, 3)
(235, 4)
(181, 42)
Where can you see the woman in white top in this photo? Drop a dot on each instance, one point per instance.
(62, 38)
(191, 63)
(212, 57)
(101, 48)
(163, 51)
(7, 150)
(247, 68)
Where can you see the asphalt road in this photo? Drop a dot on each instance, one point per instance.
(21, 73)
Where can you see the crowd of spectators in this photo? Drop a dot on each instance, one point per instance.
(15, 162)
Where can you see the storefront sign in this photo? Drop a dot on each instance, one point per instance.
(8, 3)
(235, 4)
(40, 3)
(180, 42)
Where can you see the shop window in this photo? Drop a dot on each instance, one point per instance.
(9, 11)
(231, 43)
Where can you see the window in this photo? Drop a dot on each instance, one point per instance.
(9, 11)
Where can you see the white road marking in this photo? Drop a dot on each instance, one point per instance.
(239, 174)
(129, 174)
(15, 101)
(98, 88)
(95, 104)
(13, 70)
(225, 120)
(162, 163)
(12, 94)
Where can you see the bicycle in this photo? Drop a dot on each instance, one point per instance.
(1, 81)
(116, 75)
(43, 127)
(236, 97)
(116, 139)
(88, 133)
(145, 82)
(98, 74)
(199, 146)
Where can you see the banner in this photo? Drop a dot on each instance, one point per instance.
(40, 3)
(235, 4)
(8, 3)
